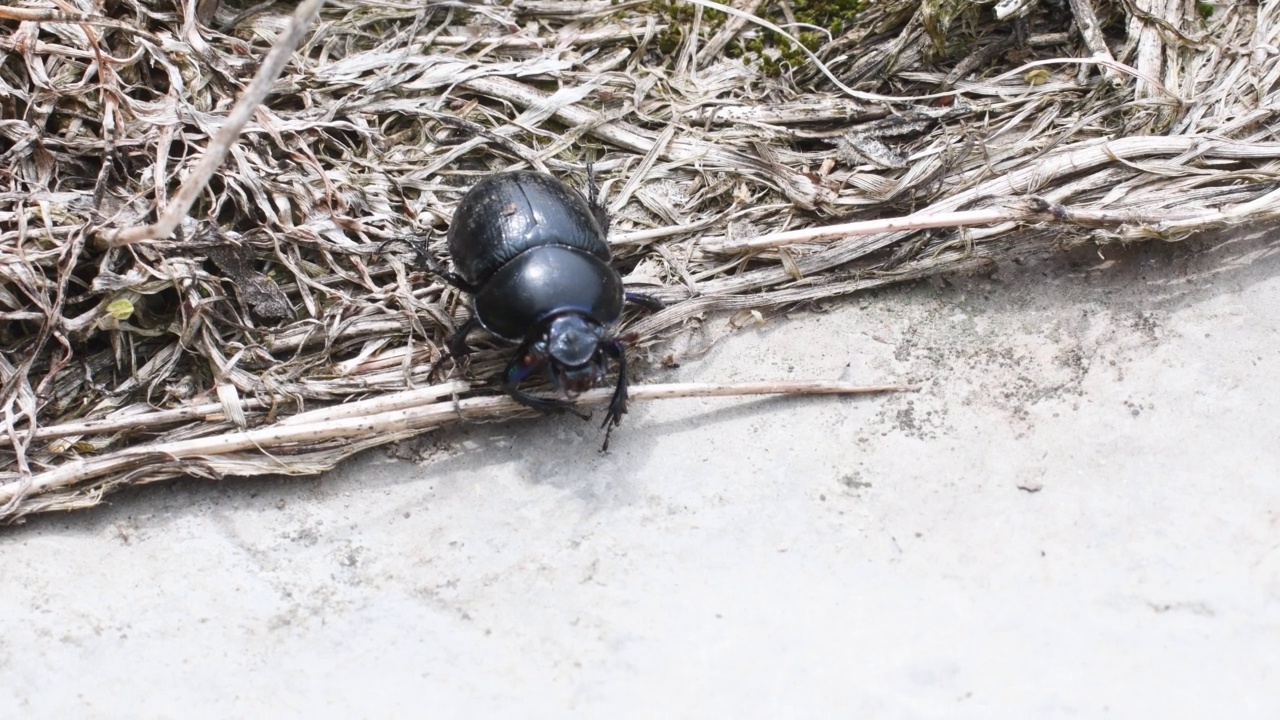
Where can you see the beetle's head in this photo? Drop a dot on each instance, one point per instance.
(572, 349)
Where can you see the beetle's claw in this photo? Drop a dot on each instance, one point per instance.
(457, 342)
(613, 417)
(438, 362)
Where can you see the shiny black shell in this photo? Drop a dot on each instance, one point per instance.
(507, 214)
(546, 281)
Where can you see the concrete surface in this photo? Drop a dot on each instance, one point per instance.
(1078, 516)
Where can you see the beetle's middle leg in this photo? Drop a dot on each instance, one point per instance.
(456, 346)
(648, 302)
(457, 342)
(435, 268)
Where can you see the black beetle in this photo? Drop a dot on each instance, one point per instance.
(532, 253)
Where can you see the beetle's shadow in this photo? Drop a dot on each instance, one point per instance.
(563, 452)
(559, 451)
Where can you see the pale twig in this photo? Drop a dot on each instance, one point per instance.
(211, 412)
(390, 423)
(1030, 210)
(127, 422)
(280, 55)
(1150, 55)
(1091, 32)
(71, 18)
(1034, 178)
(1263, 208)
(917, 221)
(637, 237)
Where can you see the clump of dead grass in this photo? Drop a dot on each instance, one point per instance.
(268, 334)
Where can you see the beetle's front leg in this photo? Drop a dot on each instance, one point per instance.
(525, 363)
(618, 403)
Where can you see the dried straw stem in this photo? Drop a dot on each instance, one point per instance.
(398, 417)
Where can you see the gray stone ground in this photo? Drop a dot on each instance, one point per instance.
(1079, 515)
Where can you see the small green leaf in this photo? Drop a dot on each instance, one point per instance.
(1038, 76)
(120, 309)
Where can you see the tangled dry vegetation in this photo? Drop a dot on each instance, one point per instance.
(274, 333)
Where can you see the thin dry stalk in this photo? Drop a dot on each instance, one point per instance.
(212, 158)
(400, 419)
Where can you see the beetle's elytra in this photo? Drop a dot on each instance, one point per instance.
(506, 214)
(532, 253)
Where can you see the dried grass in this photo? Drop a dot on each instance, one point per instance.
(270, 335)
